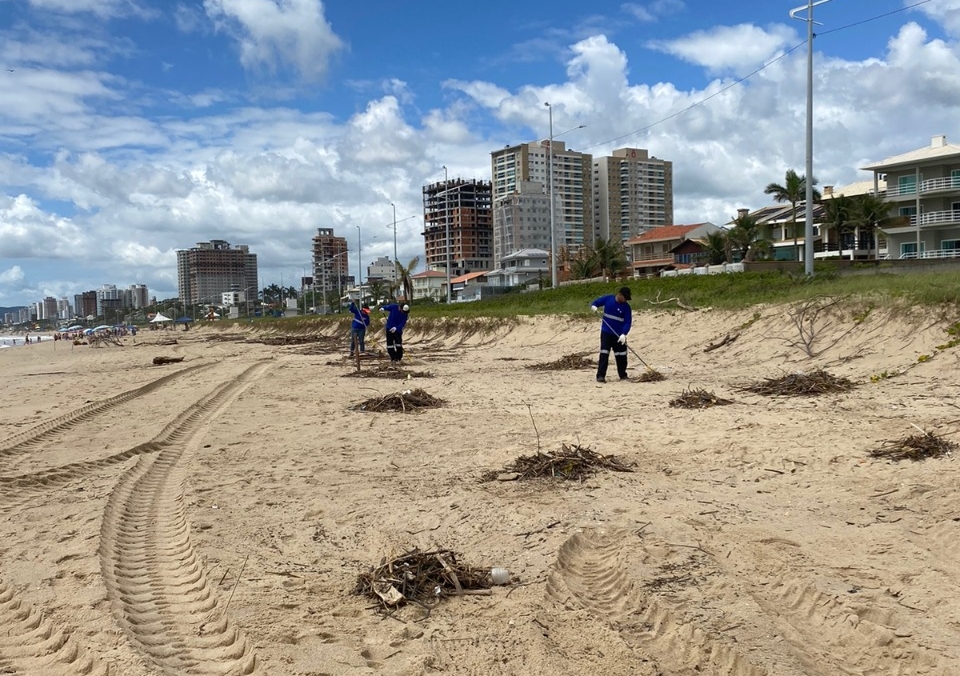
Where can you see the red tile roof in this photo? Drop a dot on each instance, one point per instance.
(428, 273)
(470, 275)
(664, 233)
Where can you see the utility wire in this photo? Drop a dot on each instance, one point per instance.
(750, 75)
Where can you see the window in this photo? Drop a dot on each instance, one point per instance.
(909, 249)
(907, 185)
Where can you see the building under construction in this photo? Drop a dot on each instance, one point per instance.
(330, 263)
(458, 223)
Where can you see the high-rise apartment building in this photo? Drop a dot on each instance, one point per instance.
(139, 296)
(521, 220)
(572, 187)
(331, 263)
(207, 271)
(458, 220)
(85, 304)
(633, 193)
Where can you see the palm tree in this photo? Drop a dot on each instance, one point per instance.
(745, 237)
(837, 213)
(717, 247)
(793, 190)
(609, 256)
(873, 212)
(403, 273)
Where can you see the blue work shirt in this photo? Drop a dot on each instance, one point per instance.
(397, 318)
(617, 317)
(361, 319)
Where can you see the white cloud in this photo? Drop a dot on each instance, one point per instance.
(101, 8)
(946, 12)
(26, 231)
(276, 33)
(740, 48)
(12, 275)
(652, 11)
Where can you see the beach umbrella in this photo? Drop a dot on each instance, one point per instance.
(183, 320)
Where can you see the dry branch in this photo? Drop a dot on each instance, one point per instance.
(727, 339)
(698, 399)
(566, 363)
(800, 384)
(914, 447)
(408, 401)
(574, 463)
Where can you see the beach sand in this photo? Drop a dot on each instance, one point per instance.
(212, 516)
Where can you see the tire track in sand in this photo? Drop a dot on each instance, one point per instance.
(29, 644)
(29, 439)
(156, 583)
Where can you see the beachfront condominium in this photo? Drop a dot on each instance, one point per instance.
(331, 263)
(458, 224)
(521, 220)
(633, 193)
(210, 269)
(572, 189)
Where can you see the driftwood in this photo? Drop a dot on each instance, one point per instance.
(727, 339)
(160, 361)
(680, 304)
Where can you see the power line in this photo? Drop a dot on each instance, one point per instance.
(750, 75)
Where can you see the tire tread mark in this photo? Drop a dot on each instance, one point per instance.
(29, 644)
(590, 572)
(29, 439)
(155, 581)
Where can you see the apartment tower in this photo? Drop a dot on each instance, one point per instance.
(571, 183)
(464, 209)
(207, 271)
(634, 193)
(331, 262)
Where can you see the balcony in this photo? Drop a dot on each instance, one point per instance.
(937, 218)
(946, 184)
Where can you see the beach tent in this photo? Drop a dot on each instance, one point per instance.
(183, 320)
(75, 327)
(160, 318)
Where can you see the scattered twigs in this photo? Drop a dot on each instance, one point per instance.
(388, 370)
(698, 399)
(421, 578)
(408, 401)
(727, 339)
(536, 431)
(679, 303)
(566, 363)
(651, 376)
(799, 384)
(914, 447)
(574, 463)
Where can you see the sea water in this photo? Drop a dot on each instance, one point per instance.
(20, 340)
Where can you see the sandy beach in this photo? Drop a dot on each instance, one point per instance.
(211, 516)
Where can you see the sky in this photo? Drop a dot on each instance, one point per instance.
(130, 129)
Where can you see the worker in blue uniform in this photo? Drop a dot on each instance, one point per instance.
(615, 320)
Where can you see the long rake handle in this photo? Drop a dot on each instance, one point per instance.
(603, 319)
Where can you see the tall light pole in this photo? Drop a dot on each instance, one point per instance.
(808, 224)
(359, 267)
(446, 219)
(553, 229)
(396, 270)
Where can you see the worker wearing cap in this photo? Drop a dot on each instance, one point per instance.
(396, 320)
(615, 322)
(358, 327)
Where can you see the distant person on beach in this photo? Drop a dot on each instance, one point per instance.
(615, 320)
(358, 327)
(396, 320)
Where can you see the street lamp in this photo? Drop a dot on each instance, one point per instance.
(446, 223)
(359, 267)
(808, 224)
(553, 230)
(396, 272)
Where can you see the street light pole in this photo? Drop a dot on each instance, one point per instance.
(396, 262)
(446, 220)
(553, 229)
(359, 267)
(808, 224)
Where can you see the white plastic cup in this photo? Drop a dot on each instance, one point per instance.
(500, 576)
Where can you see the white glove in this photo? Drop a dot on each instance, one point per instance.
(622, 339)
(595, 308)
(383, 309)
(393, 330)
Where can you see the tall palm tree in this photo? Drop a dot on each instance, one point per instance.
(873, 212)
(793, 190)
(403, 273)
(837, 214)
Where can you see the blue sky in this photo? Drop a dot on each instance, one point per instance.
(133, 128)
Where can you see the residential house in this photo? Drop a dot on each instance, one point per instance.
(924, 186)
(859, 242)
(429, 284)
(653, 251)
(521, 268)
(469, 286)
